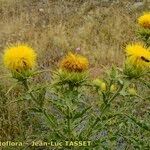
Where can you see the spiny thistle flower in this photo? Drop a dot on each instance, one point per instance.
(144, 20)
(113, 88)
(74, 63)
(100, 84)
(137, 61)
(97, 82)
(138, 56)
(103, 86)
(132, 90)
(19, 58)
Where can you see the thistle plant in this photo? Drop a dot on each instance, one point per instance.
(69, 80)
(76, 107)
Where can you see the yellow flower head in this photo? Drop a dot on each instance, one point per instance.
(74, 63)
(19, 58)
(144, 20)
(97, 82)
(138, 56)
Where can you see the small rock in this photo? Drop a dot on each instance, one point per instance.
(41, 10)
(138, 5)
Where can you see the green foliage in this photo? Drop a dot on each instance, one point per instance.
(67, 110)
(144, 34)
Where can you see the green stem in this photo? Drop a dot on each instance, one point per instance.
(69, 123)
(71, 87)
(25, 83)
(47, 117)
